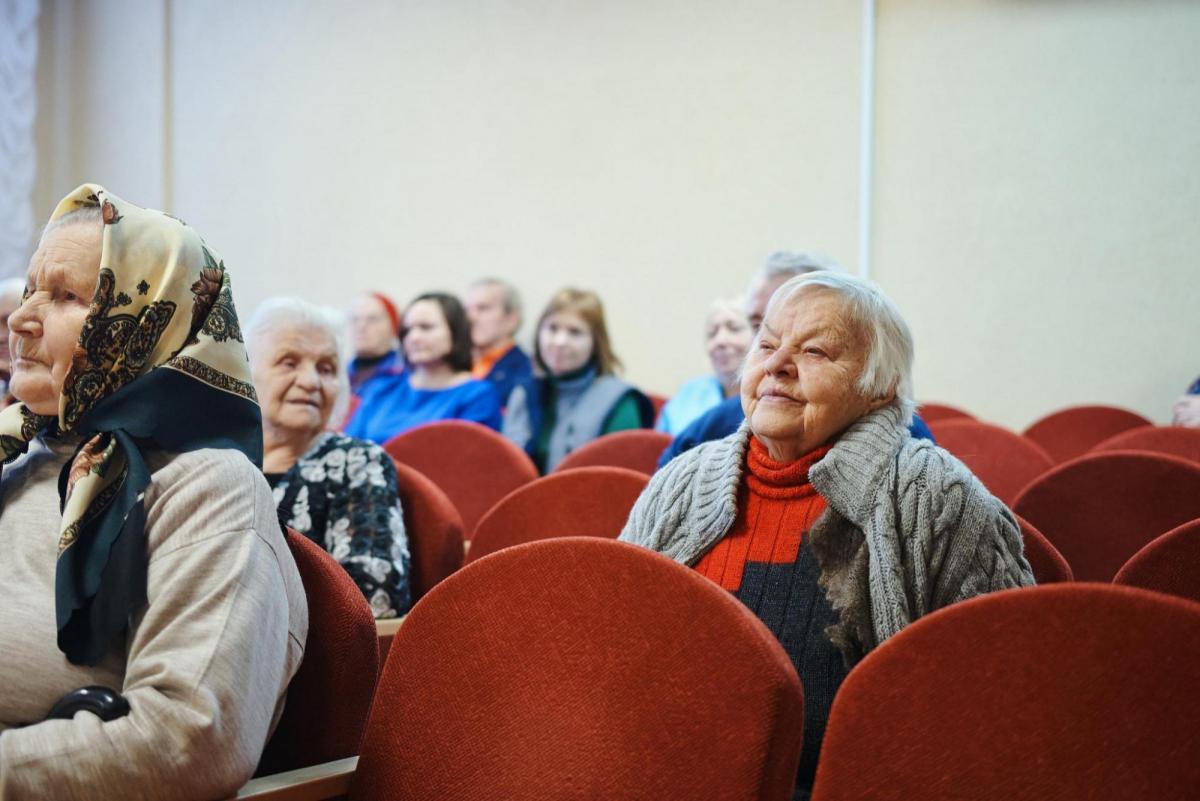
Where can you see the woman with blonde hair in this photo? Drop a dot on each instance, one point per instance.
(576, 397)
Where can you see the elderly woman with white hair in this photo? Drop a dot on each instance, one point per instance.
(727, 335)
(821, 512)
(336, 490)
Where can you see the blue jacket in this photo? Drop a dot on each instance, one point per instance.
(511, 369)
(724, 418)
(391, 406)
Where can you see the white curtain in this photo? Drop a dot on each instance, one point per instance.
(18, 96)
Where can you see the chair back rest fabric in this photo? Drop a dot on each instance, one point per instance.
(1170, 564)
(330, 695)
(636, 449)
(1174, 440)
(937, 412)
(584, 502)
(434, 528)
(1099, 509)
(582, 668)
(1049, 566)
(472, 464)
(1071, 432)
(1066, 691)
(1005, 462)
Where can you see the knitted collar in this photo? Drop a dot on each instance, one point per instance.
(768, 478)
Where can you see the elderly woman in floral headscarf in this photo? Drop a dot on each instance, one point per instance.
(142, 550)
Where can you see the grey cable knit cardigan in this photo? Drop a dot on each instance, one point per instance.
(908, 528)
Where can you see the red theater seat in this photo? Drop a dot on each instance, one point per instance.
(585, 502)
(434, 528)
(1064, 692)
(1170, 563)
(330, 695)
(1005, 462)
(935, 412)
(1049, 566)
(471, 463)
(579, 669)
(1099, 509)
(1073, 431)
(636, 449)
(1173, 440)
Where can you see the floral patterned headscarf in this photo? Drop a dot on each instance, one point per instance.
(159, 364)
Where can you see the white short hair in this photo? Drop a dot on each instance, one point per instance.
(787, 262)
(511, 298)
(889, 341)
(84, 214)
(279, 313)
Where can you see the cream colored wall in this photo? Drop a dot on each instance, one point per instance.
(657, 151)
(1038, 200)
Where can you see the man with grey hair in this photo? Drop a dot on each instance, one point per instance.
(494, 310)
(724, 418)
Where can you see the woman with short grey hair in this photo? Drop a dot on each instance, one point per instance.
(821, 512)
(336, 490)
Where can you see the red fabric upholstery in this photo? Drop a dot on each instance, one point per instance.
(1170, 563)
(1173, 440)
(636, 449)
(471, 463)
(434, 528)
(930, 412)
(657, 402)
(330, 695)
(1005, 462)
(1049, 566)
(1099, 509)
(1073, 431)
(585, 502)
(1069, 691)
(582, 668)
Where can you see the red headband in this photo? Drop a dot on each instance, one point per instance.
(388, 307)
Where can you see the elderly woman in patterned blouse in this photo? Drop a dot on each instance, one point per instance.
(338, 491)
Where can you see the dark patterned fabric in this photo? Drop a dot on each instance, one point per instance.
(342, 495)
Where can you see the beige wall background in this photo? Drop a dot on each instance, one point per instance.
(1034, 194)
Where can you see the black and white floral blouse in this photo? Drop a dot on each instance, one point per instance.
(342, 495)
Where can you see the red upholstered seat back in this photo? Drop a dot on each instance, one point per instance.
(636, 449)
(1069, 691)
(1170, 563)
(1099, 509)
(1173, 440)
(1073, 431)
(1049, 566)
(434, 528)
(578, 669)
(330, 695)
(584, 502)
(471, 463)
(1005, 462)
(936, 412)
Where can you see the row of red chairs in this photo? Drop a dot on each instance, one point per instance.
(571, 669)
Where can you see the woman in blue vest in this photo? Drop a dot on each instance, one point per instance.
(576, 397)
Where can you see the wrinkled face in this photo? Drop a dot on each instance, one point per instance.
(565, 342)
(756, 299)
(427, 337)
(44, 329)
(371, 333)
(491, 323)
(296, 377)
(800, 385)
(727, 335)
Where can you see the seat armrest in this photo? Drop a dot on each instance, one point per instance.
(330, 780)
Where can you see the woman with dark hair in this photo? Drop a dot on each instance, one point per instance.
(577, 398)
(436, 383)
